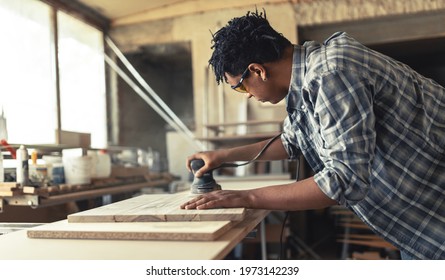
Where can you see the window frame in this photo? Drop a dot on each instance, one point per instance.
(89, 17)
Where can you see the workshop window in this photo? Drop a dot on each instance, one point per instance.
(28, 94)
(82, 79)
(27, 88)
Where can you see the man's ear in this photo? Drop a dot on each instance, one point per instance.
(259, 70)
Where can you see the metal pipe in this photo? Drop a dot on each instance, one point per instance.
(55, 45)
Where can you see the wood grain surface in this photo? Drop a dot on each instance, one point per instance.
(154, 208)
(193, 231)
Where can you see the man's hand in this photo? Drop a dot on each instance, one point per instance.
(211, 160)
(219, 199)
(294, 196)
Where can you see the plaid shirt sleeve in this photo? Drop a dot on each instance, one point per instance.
(344, 117)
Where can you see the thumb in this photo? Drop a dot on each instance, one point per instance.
(200, 172)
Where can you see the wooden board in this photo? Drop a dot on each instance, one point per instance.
(154, 208)
(191, 231)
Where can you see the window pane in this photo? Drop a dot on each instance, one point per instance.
(27, 87)
(82, 79)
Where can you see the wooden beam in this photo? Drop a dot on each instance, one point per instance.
(183, 8)
(81, 11)
(381, 30)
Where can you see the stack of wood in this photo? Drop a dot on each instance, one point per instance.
(8, 189)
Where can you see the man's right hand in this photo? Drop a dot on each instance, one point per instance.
(212, 159)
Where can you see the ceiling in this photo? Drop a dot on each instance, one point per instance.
(118, 9)
(133, 11)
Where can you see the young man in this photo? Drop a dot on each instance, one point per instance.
(371, 128)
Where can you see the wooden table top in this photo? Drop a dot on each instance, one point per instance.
(17, 245)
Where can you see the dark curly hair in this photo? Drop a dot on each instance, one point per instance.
(245, 40)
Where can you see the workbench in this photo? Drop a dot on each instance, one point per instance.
(17, 245)
(44, 201)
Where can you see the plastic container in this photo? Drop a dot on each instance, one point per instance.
(2, 169)
(77, 169)
(101, 164)
(57, 173)
(22, 171)
(54, 176)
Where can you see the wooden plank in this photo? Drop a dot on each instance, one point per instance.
(354, 225)
(8, 185)
(155, 208)
(29, 190)
(369, 243)
(10, 193)
(75, 139)
(17, 246)
(195, 231)
(9, 189)
(368, 255)
(361, 236)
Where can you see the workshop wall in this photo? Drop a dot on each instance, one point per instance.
(327, 11)
(283, 16)
(171, 78)
(196, 29)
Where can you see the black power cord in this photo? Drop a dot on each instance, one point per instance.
(231, 164)
(297, 177)
(252, 160)
(281, 236)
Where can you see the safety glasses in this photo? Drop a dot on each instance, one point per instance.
(239, 87)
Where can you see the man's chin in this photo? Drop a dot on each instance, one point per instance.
(274, 102)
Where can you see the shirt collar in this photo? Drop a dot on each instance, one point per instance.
(293, 98)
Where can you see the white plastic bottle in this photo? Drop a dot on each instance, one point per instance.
(22, 166)
(2, 169)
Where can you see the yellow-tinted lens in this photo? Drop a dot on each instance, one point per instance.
(241, 89)
(239, 86)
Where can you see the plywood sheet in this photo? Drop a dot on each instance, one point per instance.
(154, 208)
(193, 231)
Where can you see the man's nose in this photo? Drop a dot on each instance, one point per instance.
(248, 95)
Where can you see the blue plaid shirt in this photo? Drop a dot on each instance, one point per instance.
(373, 130)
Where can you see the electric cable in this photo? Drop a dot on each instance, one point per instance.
(282, 234)
(231, 164)
(297, 177)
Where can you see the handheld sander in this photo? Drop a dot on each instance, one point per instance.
(206, 183)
